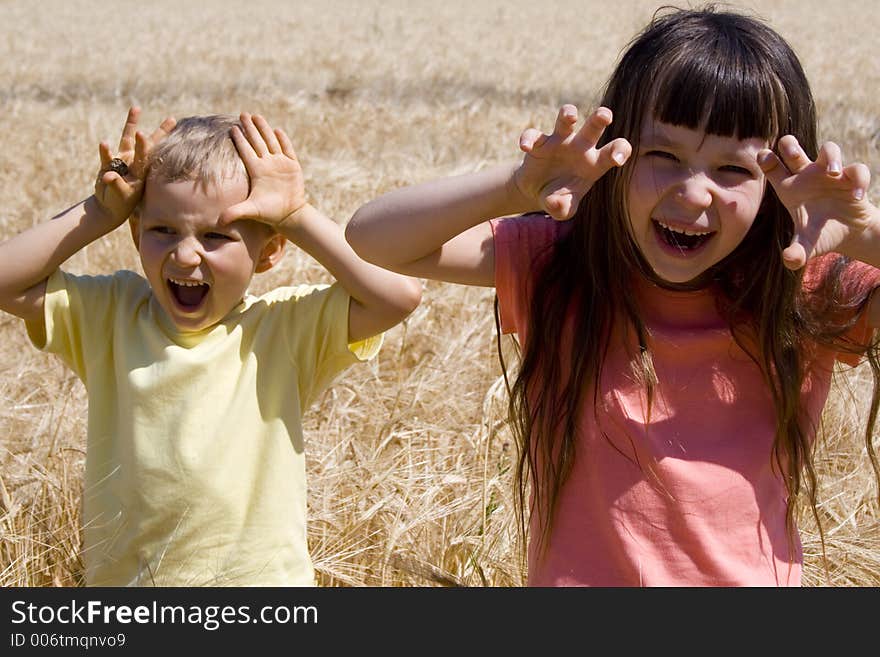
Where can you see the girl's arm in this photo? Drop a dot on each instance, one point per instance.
(379, 298)
(28, 259)
(438, 229)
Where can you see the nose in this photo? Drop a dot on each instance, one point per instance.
(695, 192)
(187, 252)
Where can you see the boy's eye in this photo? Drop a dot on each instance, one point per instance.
(217, 236)
(162, 230)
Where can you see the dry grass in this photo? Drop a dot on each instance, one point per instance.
(409, 459)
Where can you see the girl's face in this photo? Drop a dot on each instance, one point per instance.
(692, 198)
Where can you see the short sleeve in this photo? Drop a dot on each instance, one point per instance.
(78, 317)
(316, 329)
(522, 245)
(857, 281)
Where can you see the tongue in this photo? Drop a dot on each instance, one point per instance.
(189, 295)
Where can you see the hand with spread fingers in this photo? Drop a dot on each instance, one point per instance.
(277, 185)
(120, 181)
(560, 168)
(828, 201)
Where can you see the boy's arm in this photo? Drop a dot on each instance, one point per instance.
(379, 298)
(28, 259)
(438, 230)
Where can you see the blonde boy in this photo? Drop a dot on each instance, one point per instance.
(195, 472)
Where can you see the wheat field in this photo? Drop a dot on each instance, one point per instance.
(409, 456)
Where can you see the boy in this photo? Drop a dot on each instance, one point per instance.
(195, 472)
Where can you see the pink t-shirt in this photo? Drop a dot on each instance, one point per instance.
(690, 498)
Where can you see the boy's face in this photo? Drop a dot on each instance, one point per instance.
(198, 270)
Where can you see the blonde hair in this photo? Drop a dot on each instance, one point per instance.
(199, 148)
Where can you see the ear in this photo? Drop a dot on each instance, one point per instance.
(271, 253)
(134, 224)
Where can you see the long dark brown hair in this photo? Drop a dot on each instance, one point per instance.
(730, 75)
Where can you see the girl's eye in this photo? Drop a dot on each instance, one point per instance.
(663, 155)
(731, 168)
(217, 236)
(162, 230)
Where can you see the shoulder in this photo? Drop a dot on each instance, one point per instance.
(535, 227)
(289, 294)
(298, 302)
(527, 238)
(836, 275)
(101, 288)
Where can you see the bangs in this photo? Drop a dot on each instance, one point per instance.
(724, 90)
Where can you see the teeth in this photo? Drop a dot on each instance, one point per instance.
(183, 283)
(683, 231)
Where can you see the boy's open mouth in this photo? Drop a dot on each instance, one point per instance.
(680, 239)
(188, 294)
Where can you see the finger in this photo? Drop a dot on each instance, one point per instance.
(859, 176)
(773, 167)
(141, 150)
(561, 204)
(244, 147)
(591, 132)
(806, 236)
(117, 182)
(614, 154)
(163, 130)
(253, 135)
(285, 143)
(565, 121)
(244, 210)
(531, 139)
(793, 156)
(267, 134)
(795, 256)
(126, 141)
(830, 159)
(105, 154)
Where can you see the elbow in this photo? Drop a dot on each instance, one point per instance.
(410, 296)
(355, 235)
(406, 297)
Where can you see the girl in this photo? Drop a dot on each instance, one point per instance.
(676, 353)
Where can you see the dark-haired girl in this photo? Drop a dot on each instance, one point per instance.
(681, 281)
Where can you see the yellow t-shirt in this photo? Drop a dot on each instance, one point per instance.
(195, 472)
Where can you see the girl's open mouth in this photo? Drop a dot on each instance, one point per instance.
(188, 294)
(681, 240)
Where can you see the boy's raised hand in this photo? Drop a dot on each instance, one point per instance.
(277, 186)
(828, 202)
(120, 181)
(560, 168)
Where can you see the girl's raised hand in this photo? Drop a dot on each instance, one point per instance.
(120, 181)
(560, 168)
(827, 201)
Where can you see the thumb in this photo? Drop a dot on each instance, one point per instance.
(795, 255)
(562, 203)
(803, 244)
(247, 209)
